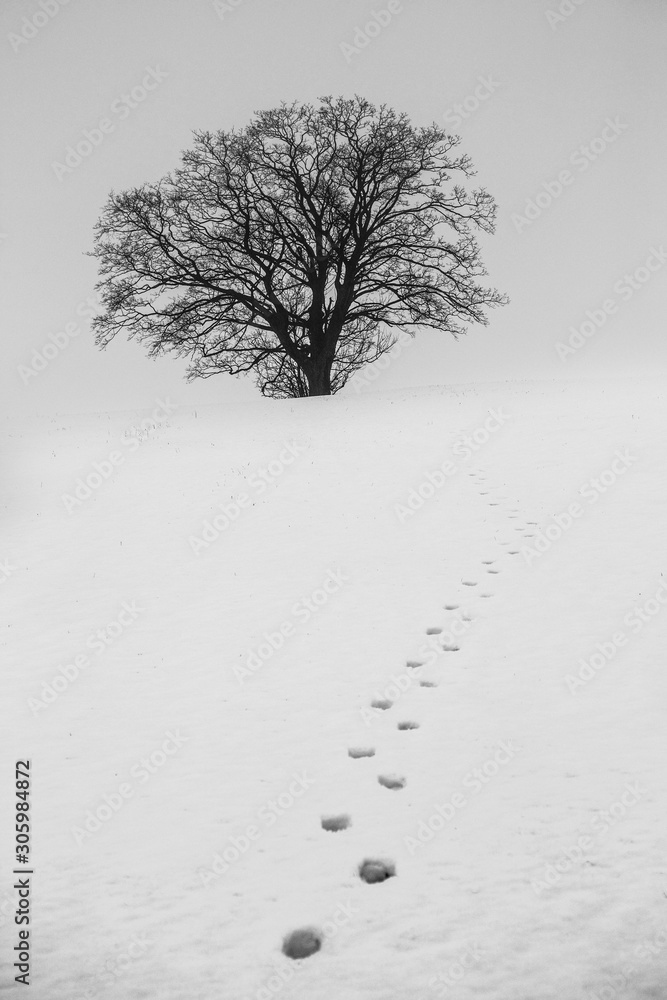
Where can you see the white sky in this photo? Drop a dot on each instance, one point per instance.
(555, 85)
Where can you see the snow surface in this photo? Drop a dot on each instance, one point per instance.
(478, 908)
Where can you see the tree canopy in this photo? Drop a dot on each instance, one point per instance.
(296, 248)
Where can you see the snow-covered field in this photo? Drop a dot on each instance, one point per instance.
(188, 695)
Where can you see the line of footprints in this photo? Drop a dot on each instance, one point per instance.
(307, 940)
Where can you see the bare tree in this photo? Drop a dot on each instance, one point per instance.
(296, 247)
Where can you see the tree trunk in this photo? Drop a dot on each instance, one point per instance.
(319, 379)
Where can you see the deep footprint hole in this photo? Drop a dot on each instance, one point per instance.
(357, 752)
(393, 781)
(382, 703)
(408, 725)
(433, 631)
(335, 823)
(302, 943)
(373, 870)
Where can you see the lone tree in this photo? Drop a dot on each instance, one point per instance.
(296, 247)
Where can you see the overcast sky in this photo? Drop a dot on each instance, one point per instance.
(535, 95)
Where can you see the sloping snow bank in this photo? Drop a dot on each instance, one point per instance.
(195, 638)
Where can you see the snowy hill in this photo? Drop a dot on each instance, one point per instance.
(201, 611)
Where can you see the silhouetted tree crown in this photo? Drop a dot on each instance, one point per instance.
(296, 247)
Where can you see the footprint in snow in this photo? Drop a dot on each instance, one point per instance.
(447, 648)
(357, 752)
(451, 607)
(469, 583)
(302, 943)
(414, 664)
(374, 870)
(382, 703)
(433, 631)
(407, 725)
(393, 781)
(427, 684)
(335, 823)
